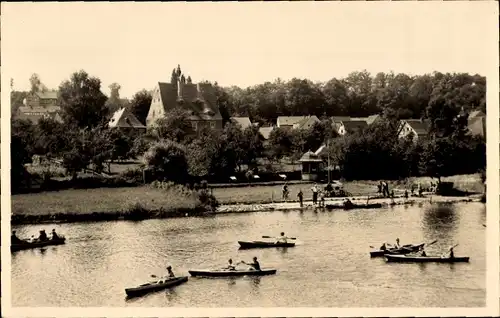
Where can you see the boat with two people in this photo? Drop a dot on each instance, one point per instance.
(43, 240)
(424, 258)
(168, 281)
(281, 241)
(231, 271)
(397, 249)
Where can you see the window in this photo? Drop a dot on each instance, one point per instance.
(195, 125)
(212, 124)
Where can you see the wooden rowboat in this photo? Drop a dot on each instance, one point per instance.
(27, 245)
(231, 273)
(406, 249)
(425, 259)
(262, 244)
(155, 286)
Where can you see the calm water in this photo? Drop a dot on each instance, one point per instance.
(330, 266)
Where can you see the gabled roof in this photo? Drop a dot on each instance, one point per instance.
(354, 125)
(201, 105)
(265, 131)
(244, 122)
(419, 126)
(477, 126)
(308, 122)
(310, 157)
(123, 118)
(476, 113)
(47, 95)
(371, 119)
(289, 120)
(338, 119)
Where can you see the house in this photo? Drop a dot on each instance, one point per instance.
(354, 125)
(296, 122)
(124, 119)
(244, 122)
(476, 114)
(198, 99)
(39, 105)
(477, 126)
(417, 127)
(265, 132)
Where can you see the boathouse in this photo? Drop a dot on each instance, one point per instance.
(311, 166)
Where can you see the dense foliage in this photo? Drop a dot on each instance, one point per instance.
(176, 152)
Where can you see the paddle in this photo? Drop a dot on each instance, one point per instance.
(267, 236)
(442, 255)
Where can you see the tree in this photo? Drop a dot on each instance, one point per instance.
(175, 126)
(50, 137)
(139, 106)
(81, 100)
(21, 151)
(252, 145)
(167, 159)
(114, 103)
(17, 100)
(280, 143)
(36, 84)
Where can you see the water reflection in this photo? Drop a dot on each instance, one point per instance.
(440, 220)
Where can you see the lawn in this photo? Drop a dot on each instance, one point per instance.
(82, 201)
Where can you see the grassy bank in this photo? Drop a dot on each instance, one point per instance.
(104, 204)
(149, 202)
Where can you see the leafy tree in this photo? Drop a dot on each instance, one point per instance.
(167, 159)
(139, 106)
(21, 150)
(280, 143)
(36, 84)
(113, 103)
(252, 145)
(81, 100)
(175, 126)
(16, 100)
(50, 137)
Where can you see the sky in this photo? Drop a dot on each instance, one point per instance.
(138, 44)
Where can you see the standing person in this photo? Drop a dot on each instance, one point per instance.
(285, 192)
(406, 193)
(314, 190)
(322, 198)
(380, 187)
(300, 195)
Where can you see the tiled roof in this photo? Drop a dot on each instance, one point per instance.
(41, 109)
(340, 118)
(420, 127)
(244, 122)
(122, 118)
(310, 157)
(206, 109)
(354, 124)
(47, 95)
(265, 131)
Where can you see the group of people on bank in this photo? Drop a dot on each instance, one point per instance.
(42, 237)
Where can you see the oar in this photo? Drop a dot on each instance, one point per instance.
(267, 236)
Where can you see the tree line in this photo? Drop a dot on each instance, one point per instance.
(175, 152)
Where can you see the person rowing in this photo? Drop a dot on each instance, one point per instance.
(397, 243)
(255, 265)
(230, 265)
(54, 235)
(451, 253)
(43, 236)
(170, 273)
(383, 247)
(422, 252)
(282, 238)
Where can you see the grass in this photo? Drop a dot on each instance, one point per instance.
(84, 201)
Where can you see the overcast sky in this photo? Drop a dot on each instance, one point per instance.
(137, 45)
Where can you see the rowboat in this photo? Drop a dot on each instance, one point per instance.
(425, 259)
(155, 286)
(231, 273)
(262, 244)
(405, 249)
(27, 245)
(354, 206)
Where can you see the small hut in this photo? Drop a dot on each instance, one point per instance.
(311, 166)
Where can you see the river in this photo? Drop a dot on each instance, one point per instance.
(329, 267)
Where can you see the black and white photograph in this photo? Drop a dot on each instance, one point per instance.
(202, 156)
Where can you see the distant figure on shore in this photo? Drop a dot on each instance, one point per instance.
(285, 192)
(406, 193)
(300, 195)
(14, 239)
(380, 186)
(54, 235)
(255, 265)
(314, 190)
(170, 273)
(329, 189)
(322, 198)
(43, 236)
